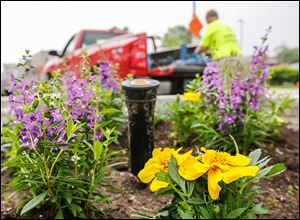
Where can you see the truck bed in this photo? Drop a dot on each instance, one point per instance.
(168, 56)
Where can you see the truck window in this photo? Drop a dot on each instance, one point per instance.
(92, 38)
(150, 46)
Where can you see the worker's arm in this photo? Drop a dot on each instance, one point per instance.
(205, 42)
(201, 49)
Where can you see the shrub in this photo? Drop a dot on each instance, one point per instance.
(283, 74)
(60, 140)
(226, 100)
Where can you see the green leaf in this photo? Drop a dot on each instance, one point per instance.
(46, 102)
(34, 202)
(254, 155)
(224, 211)
(59, 214)
(185, 214)
(260, 165)
(204, 212)
(98, 148)
(173, 172)
(21, 205)
(10, 134)
(249, 215)
(162, 176)
(235, 144)
(236, 213)
(56, 124)
(263, 172)
(165, 191)
(195, 201)
(259, 210)
(74, 208)
(78, 126)
(64, 114)
(277, 169)
(85, 165)
(109, 111)
(88, 144)
(103, 124)
(164, 213)
(248, 97)
(68, 196)
(35, 104)
(70, 126)
(190, 187)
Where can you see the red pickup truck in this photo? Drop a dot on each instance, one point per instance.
(135, 53)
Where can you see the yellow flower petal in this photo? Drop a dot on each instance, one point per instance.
(222, 166)
(239, 160)
(191, 96)
(214, 177)
(191, 168)
(179, 149)
(157, 184)
(203, 149)
(148, 173)
(209, 157)
(235, 173)
(156, 152)
(159, 162)
(182, 157)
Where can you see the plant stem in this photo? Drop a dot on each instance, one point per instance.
(61, 150)
(91, 187)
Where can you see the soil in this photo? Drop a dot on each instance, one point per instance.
(279, 194)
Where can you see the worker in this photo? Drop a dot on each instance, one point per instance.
(219, 40)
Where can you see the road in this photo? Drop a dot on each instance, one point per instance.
(163, 99)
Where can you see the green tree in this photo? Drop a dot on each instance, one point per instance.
(287, 55)
(176, 36)
(120, 29)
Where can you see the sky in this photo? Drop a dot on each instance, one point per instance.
(49, 25)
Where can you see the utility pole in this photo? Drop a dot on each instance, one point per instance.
(241, 32)
(195, 40)
(194, 8)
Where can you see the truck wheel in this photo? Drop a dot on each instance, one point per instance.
(177, 86)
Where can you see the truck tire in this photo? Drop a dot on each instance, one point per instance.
(177, 86)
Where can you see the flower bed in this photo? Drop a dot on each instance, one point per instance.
(280, 194)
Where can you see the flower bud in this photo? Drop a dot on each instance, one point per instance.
(216, 209)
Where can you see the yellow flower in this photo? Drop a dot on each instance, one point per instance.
(156, 164)
(191, 96)
(219, 165)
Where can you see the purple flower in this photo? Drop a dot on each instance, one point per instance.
(229, 118)
(36, 133)
(56, 114)
(30, 137)
(23, 135)
(33, 118)
(106, 77)
(48, 122)
(98, 135)
(19, 115)
(14, 83)
(247, 92)
(61, 136)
